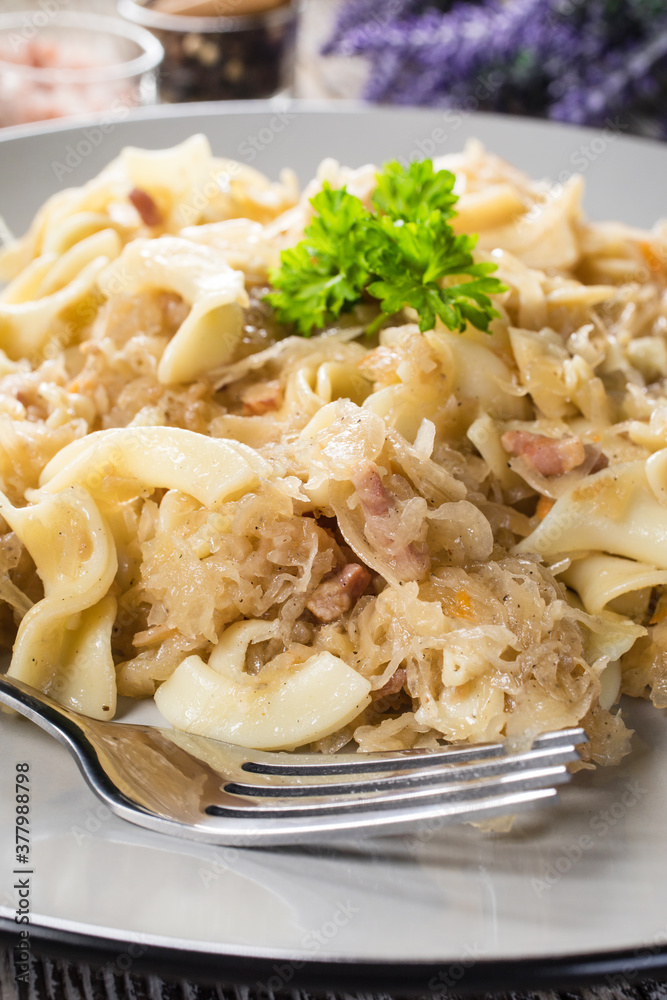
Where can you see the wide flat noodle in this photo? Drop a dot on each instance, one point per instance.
(613, 511)
(50, 286)
(119, 463)
(203, 279)
(172, 176)
(63, 642)
(599, 579)
(279, 710)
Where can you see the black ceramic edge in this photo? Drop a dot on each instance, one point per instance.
(267, 975)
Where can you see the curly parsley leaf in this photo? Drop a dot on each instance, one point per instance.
(414, 193)
(411, 260)
(404, 254)
(326, 273)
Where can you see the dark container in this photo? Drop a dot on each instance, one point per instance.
(221, 58)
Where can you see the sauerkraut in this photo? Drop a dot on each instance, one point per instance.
(409, 517)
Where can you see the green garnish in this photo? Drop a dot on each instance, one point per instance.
(404, 253)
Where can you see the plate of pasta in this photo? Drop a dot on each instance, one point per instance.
(340, 429)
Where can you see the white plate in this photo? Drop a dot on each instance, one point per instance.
(573, 892)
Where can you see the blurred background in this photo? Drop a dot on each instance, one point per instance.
(590, 62)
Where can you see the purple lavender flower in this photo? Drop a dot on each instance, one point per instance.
(573, 60)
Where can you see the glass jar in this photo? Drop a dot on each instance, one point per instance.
(227, 57)
(59, 63)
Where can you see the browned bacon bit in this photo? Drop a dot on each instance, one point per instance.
(601, 462)
(374, 497)
(383, 518)
(393, 685)
(548, 456)
(261, 398)
(339, 593)
(146, 207)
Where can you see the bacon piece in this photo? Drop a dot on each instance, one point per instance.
(262, 398)
(146, 207)
(337, 594)
(393, 685)
(375, 499)
(601, 462)
(548, 456)
(383, 518)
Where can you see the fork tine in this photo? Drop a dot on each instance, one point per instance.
(445, 775)
(450, 793)
(359, 763)
(147, 776)
(442, 814)
(561, 737)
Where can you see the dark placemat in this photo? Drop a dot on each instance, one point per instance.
(58, 979)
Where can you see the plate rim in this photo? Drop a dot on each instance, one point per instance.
(219, 109)
(195, 110)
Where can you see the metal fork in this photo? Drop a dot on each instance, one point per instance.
(201, 789)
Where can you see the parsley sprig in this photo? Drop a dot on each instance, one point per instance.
(404, 253)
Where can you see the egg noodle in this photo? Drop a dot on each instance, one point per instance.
(291, 541)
